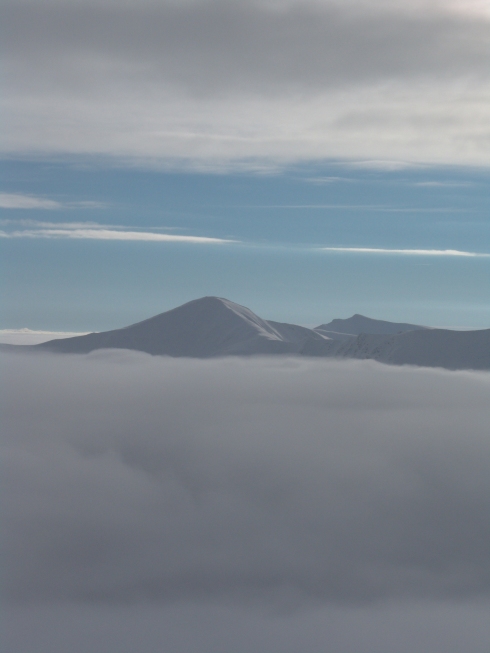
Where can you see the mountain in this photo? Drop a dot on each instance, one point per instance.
(213, 327)
(453, 350)
(202, 328)
(357, 324)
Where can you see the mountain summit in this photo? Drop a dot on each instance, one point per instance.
(203, 328)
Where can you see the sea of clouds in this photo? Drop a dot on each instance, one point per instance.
(130, 477)
(281, 487)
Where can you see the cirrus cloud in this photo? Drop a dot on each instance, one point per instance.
(20, 201)
(405, 252)
(94, 231)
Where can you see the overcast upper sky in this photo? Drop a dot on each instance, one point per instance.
(211, 83)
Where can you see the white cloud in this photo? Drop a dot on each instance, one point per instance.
(329, 180)
(405, 252)
(380, 208)
(111, 234)
(19, 201)
(444, 184)
(94, 231)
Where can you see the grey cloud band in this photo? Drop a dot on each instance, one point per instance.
(223, 47)
(246, 85)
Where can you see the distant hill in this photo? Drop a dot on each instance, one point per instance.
(453, 350)
(358, 324)
(212, 327)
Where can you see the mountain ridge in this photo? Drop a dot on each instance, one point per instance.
(358, 324)
(212, 327)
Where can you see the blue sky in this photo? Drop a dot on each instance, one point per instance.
(162, 151)
(273, 226)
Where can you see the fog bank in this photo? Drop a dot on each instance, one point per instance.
(276, 484)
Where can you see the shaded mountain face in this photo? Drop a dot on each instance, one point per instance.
(212, 327)
(452, 350)
(202, 328)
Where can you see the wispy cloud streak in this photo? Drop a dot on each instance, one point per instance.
(31, 202)
(405, 252)
(20, 201)
(365, 207)
(93, 231)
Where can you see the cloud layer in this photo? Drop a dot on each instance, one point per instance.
(274, 483)
(211, 83)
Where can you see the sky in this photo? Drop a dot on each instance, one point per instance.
(309, 160)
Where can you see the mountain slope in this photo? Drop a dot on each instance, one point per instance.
(454, 350)
(202, 328)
